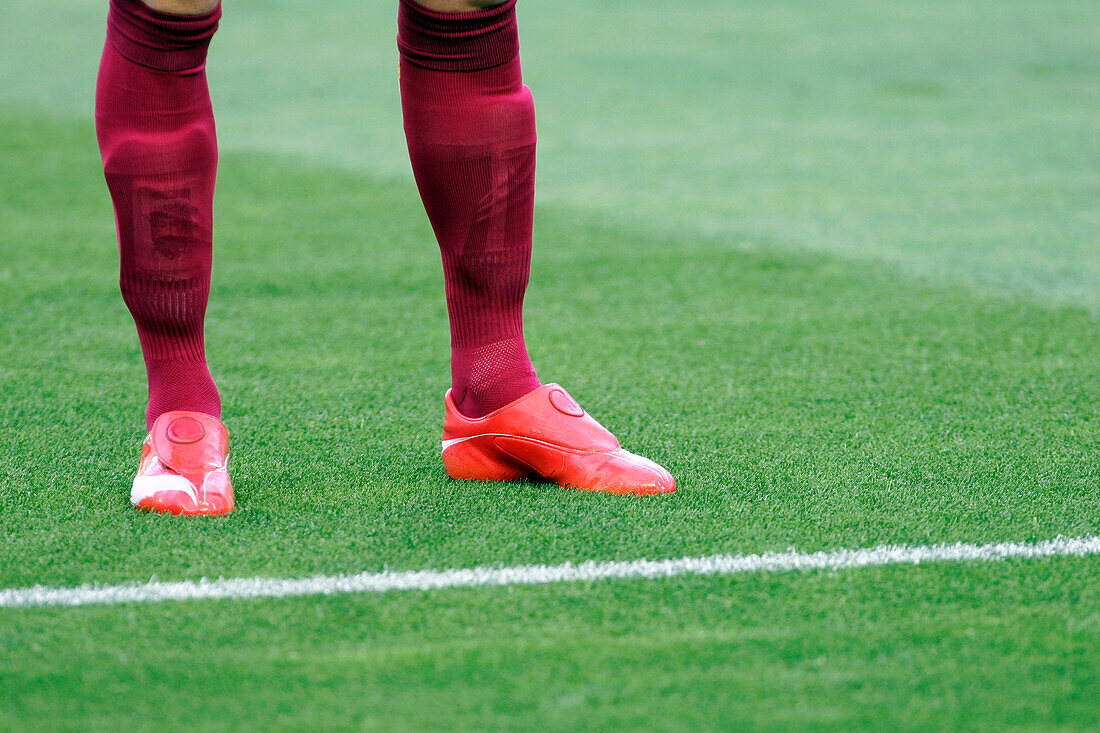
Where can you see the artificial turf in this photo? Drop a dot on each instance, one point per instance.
(806, 391)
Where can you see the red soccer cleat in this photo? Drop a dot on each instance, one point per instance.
(546, 433)
(183, 466)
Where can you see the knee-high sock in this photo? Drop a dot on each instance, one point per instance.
(156, 134)
(470, 126)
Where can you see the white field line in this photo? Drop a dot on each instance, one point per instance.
(768, 562)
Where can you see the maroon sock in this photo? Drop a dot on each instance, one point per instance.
(156, 134)
(470, 125)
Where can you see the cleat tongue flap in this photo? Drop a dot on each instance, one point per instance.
(190, 442)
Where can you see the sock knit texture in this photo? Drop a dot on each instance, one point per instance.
(470, 127)
(156, 134)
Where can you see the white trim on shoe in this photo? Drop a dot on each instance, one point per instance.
(147, 486)
(646, 463)
(455, 441)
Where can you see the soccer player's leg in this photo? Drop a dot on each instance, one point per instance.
(470, 127)
(156, 134)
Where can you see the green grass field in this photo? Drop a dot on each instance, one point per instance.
(836, 265)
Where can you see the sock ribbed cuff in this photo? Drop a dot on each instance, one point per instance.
(468, 41)
(162, 41)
